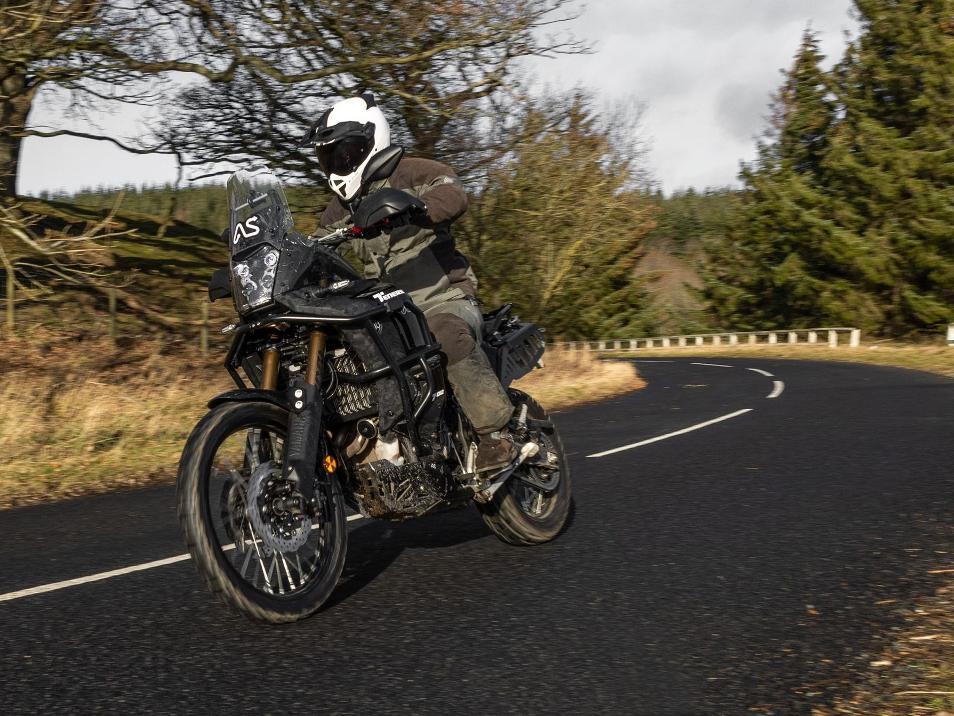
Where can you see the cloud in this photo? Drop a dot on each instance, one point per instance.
(706, 69)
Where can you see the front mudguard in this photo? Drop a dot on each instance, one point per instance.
(251, 395)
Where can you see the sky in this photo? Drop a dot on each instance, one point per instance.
(704, 68)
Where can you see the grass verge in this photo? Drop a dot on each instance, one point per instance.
(930, 358)
(86, 416)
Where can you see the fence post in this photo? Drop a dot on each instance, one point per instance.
(753, 339)
(204, 333)
(773, 338)
(666, 343)
(855, 338)
(950, 335)
(813, 337)
(11, 296)
(700, 341)
(733, 339)
(112, 314)
(832, 339)
(717, 340)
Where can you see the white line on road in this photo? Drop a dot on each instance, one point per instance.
(43, 589)
(672, 435)
(777, 390)
(713, 365)
(761, 372)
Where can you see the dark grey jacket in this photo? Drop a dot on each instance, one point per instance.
(424, 262)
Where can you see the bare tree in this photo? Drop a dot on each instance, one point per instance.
(273, 59)
(437, 68)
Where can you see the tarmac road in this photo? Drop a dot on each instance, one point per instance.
(728, 569)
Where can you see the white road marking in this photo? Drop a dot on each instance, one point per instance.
(672, 435)
(761, 372)
(713, 365)
(777, 390)
(43, 589)
(637, 360)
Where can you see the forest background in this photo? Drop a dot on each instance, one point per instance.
(844, 218)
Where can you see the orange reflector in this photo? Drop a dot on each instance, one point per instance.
(330, 464)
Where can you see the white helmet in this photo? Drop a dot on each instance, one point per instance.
(346, 137)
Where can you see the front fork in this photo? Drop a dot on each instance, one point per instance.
(304, 417)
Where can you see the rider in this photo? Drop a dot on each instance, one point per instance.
(353, 143)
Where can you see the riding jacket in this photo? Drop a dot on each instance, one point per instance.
(424, 261)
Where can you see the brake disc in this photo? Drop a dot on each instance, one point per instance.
(279, 533)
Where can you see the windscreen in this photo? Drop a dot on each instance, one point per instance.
(259, 219)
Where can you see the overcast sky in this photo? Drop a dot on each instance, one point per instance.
(705, 68)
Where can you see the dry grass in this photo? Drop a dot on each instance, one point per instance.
(84, 416)
(570, 379)
(94, 417)
(931, 358)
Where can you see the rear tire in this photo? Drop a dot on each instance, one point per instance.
(510, 516)
(206, 539)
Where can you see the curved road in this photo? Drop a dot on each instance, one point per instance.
(744, 566)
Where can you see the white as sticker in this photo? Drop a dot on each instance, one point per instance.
(246, 230)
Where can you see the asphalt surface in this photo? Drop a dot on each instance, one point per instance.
(729, 570)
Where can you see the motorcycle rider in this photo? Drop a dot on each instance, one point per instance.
(353, 143)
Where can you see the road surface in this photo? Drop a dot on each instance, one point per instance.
(729, 560)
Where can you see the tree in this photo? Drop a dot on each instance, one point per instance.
(557, 230)
(434, 66)
(789, 263)
(891, 161)
(96, 53)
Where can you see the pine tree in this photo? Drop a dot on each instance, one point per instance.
(787, 263)
(891, 160)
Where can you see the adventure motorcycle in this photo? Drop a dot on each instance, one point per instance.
(349, 409)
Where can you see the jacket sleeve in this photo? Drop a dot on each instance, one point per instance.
(444, 194)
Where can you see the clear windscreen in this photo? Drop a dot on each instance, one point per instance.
(259, 219)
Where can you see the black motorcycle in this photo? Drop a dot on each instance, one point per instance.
(348, 411)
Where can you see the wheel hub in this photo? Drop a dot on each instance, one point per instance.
(275, 510)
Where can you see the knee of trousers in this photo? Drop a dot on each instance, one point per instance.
(455, 336)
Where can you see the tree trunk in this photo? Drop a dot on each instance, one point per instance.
(15, 99)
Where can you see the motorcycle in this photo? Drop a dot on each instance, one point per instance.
(346, 409)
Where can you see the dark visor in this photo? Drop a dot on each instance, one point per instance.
(345, 155)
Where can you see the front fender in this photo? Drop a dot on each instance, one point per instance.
(251, 395)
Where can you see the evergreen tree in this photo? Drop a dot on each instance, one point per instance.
(559, 227)
(891, 161)
(776, 269)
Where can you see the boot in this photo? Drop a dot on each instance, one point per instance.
(495, 451)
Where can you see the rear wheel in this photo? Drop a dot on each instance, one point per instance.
(533, 506)
(270, 562)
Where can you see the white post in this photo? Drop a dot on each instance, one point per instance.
(700, 341)
(832, 339)
(753, 339)
(666, 343)
(792, 337)
(682, 341)
(855, 337)
(602, 345)
(733, 340)
(950, 335)
(773, 338)
(717, 340)
(813, 337)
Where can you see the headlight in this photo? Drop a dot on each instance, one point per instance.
(255, 279)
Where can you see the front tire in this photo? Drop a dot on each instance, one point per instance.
(521, 514)
(264, 584)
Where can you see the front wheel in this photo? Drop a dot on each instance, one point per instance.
(255, 551)
(522, 512)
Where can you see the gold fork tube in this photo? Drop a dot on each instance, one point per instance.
(270, 369)
(317, 341)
